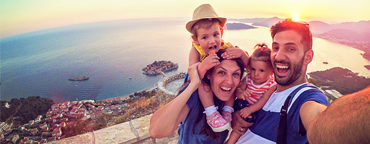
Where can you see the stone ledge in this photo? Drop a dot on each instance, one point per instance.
(134, 131)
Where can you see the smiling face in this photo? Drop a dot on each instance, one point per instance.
(289, 59)
(209, 38)
(260, 71)
(224, 79)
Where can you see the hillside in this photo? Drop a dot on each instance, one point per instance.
(354, 34)
(317, 27)
(340, 79)
(238, 26)
(23, 110)
(268, 22)
(346, 34)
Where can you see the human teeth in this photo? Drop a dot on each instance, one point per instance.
(281, 67)
(226, 89)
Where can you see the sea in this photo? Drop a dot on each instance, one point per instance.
(113, 53)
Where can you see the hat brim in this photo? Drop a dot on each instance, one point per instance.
(190, 24)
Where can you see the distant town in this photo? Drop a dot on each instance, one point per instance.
(358, 44)
(60, 117)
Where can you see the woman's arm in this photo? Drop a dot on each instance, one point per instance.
(165, 120)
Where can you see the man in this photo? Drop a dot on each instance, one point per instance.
(291, 53)
(346, 120)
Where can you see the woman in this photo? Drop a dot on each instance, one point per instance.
(186, 108)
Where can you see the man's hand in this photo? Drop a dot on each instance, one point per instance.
(239, 125)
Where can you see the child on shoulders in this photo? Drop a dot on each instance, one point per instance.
(207, 30)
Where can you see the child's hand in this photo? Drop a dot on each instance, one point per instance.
(242, 94)
(233, 52)
(245, 112)
(209, 62)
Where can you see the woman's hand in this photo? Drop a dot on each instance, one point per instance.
(193, 74)
(238, 124)
(233, 52)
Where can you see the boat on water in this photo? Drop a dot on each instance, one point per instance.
(325, 62)
(80, 78)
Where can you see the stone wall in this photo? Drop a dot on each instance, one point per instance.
(163, 93)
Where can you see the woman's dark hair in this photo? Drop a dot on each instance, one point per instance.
(218, 103)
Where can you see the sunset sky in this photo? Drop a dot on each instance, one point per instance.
(20, 16)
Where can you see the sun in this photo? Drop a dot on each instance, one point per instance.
(295, 17)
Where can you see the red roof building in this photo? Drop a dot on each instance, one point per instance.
(43, 125)
(57, 132)
(54, 106)
(100, 107)
(34, 131)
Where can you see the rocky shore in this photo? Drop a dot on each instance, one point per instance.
(157, 67)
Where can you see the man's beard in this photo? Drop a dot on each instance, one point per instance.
(292, 77)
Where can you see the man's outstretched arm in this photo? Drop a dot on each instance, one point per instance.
(346, 120)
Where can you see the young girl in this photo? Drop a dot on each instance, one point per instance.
(207, 30)
(257, 87)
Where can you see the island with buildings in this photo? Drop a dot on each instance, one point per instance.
(159, 67)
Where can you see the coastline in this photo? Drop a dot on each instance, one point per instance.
(128, 95)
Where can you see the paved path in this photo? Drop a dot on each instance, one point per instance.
(134, 131)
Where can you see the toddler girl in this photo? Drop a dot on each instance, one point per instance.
(257, 87)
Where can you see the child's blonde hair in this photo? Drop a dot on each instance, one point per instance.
(206, 23)
(261, 53)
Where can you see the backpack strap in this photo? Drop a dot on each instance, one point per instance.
(282, 131)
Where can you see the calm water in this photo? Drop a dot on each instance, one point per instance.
(40, 63)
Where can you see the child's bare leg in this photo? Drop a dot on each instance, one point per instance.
(214, 119)
(206, 97)
(228, 109)
(233, 138)
(229, 105)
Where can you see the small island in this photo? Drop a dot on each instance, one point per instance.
(80, 78)
(157, 67)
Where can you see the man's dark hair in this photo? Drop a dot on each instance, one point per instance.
(301, 28)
